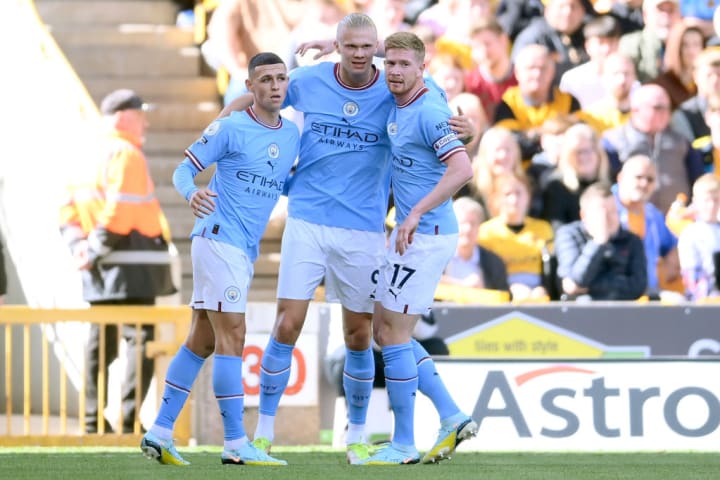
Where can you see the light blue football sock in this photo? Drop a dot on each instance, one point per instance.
(402, 381)
(274, 375)
(358, 377)
(228, 387)
(181, 374)
(431, 385)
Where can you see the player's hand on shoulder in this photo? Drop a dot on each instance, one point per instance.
(324, 47)
(462, 126)
(202, 203)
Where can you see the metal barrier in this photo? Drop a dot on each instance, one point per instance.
(21, 318)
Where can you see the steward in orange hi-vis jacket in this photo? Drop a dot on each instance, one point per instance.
(115, 227)
(119, 240)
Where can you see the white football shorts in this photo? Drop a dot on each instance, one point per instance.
(344, 258)
(221, 276)
(407, 282)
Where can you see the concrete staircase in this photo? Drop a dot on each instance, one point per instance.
(135, 44)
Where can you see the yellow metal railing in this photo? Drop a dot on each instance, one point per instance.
(22, 318)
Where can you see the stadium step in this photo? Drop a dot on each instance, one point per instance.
(133, 60)
(174, 142)
(109, 12)
(156, 89)
(179, 116)
(139, 34)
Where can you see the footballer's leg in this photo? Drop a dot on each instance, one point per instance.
(358, 377)
(275, 367)
(352, 264)
(229, 330)
(393, 334)
(182, 371)
(302, 268)
(455, 426)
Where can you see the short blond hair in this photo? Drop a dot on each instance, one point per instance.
(707, 183)
(355, 20)
(406, 41)
(469, 205)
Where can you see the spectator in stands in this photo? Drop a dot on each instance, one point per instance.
(597, 258)
(527, 106)
(117, 234)
(185, 16)
(582, 162)
(517, 239)
(585, 81)
(709, 145)
(472, 265)
(3, 276)
(319, 22)
(470, 106)
(451, 18)
(681, 214)
(635, 186)
(388, 15)
(428, 38)
(627, 12)
(613, 109)
(516, 15)
(446, 70)
(648, 132)
(413, 9)
(689, 119)
(700, 14)
(684, 44)
(646, 46)
(560, 30)
(238, 30)
(544, 163)
(498, 154)
(493, 71)
(699, 244)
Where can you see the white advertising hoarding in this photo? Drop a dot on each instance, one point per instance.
(582, 406)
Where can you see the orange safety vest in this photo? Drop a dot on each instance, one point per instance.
(120, 198)
(117, 212)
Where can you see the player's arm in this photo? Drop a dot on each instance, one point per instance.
(323, 47)
(200, 199)
(460, 124)
(206, 150)
(457, 174)
(239, 104)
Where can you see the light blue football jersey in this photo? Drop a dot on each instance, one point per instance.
(422, 140)
(343, 171)
(253, 162)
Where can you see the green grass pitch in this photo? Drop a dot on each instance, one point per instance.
(326, 464)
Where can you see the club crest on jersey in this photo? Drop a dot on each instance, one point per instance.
(273, 150)
(232, 294)
(392, 128)
(212, 129)
(351, 109)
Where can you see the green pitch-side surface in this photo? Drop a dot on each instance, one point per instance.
(324, 464)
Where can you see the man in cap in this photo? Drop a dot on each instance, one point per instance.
(117, 234)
